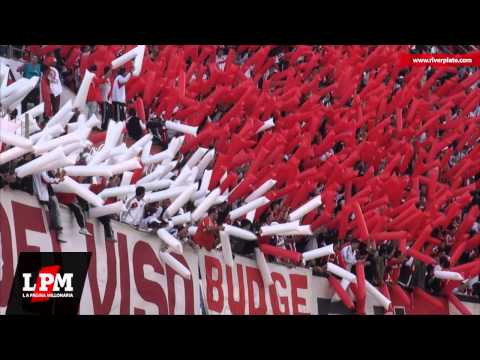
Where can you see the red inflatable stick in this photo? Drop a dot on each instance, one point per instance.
(218, 171)
(45, 50)
(361, 292)
(393, 235)
(407, 206)
(242, 190)
(275, 156)
(341, 292)
(457, 253)
(323, 219)
(360, 219)
(407, 158)
(285, 191)
(473, 242)
(467, 223)
(137, 175)
(415, 227)
(46, 92)
(294, 256)
(182, 83)
(239, 159)
(150, 88)
(400, 294)
(380, 224)
(140, 109)
(421, 294)
(471, 97)
(474, 271)
(189, 144)
(377, 203)
(469, 81)
(458, 304)
(306, 175)
(453, 211)
(402, 245)
(301, 196)
(310, 217)
(404, 218)
(134, 87)
(450, 285)
(467, 267)
(97, 137)
(72, 58)
(260, 211)
(420, 256)
(422, 238)
(229, 181)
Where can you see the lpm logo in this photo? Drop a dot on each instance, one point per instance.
(48, 283)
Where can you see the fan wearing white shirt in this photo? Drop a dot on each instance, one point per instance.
(118, 94)
(152, 216)
(349, 254)
(55, 87)
(135, 208)
(468, 287)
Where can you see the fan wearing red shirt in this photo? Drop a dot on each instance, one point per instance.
(394, 264)
(104, 184)
(206, 235)
(70, 200)
(105, 220)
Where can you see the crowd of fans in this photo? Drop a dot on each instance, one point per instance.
(384, 261)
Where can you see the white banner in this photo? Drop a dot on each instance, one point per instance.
(243, 292)
(128, 277)
(125, 277)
